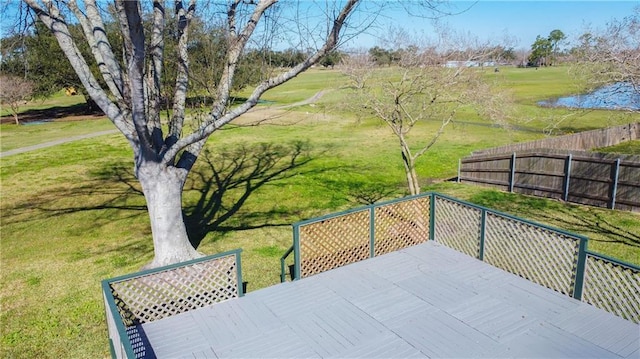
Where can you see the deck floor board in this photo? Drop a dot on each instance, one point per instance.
(422, 301)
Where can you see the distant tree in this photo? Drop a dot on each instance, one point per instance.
(507, 54)
(14, 91)
(357, 66)
(37, 57)
(380, 56)
(331, 59)
(555, 38)
(540, 52)
(544, 51)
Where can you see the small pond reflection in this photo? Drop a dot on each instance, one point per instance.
(617, 96)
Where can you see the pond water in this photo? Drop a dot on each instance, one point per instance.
(617, 96)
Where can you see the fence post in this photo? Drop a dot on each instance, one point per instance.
(614, 188)
(459, 165)
(483, 225)
(372, 231)
(567, 178)
(512, 174)
(432, 217)
(580, 268)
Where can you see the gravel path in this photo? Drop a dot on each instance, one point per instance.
(55, 143)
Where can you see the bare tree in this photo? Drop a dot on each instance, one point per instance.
(163, 151)
(15, 91)
(357, 67)
(429, 87)
(610, 56)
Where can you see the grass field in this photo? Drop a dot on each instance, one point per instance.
(73, 214)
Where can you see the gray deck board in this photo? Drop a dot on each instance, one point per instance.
(423, 301)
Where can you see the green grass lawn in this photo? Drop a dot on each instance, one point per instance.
(73, 214)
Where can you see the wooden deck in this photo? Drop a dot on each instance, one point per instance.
(422, 301)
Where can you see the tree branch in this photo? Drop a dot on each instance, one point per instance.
(215, 123)
(135, 64)
(52, 19)
(154, 75)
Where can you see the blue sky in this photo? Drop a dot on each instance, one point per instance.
(521, 20)
(486, 20)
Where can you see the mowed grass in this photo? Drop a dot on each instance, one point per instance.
(73, 214)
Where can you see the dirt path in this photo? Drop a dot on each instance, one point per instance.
(273, 112)
(55, 143)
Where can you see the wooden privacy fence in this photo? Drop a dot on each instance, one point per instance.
(582, 141)
(160, 293)
(548, 256)
(593, 179)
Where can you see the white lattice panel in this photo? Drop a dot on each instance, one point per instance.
(401, 224)
(163, 294)
(541, 255)
(334, 242)
(612, 287)
(457, 226)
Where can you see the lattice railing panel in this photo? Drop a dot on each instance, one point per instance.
(401, 224)
(334, 242)
(612, 287)
(162, 294)
(457, 226)
(538, 254)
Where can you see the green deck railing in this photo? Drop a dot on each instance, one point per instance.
(142, 297)
(549, 256)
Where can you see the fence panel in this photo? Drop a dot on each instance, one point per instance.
(159, 293)
(541, 255)
(539, 175)
(550, 257)
(612, 286)
(163, 294)
(628, 191)
(584, 141)
(334, 242)
(401, 224)
(593, 179)
(457, 226)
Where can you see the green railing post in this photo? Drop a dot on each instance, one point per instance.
(283, 272)
(372, 231)
(296, 252)
(483, 226)
(239, 274)
(580, 268)
(432, 217)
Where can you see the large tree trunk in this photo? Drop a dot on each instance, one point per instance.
(162, 187)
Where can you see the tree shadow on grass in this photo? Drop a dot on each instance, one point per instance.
(56, 113)
(225, 181)
(587, 221)
(216, 193)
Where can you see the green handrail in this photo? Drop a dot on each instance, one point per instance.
(283, 274)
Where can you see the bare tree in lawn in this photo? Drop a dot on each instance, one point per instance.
(429, 87)
(610, 56)
(163, 151)
(14, 91)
